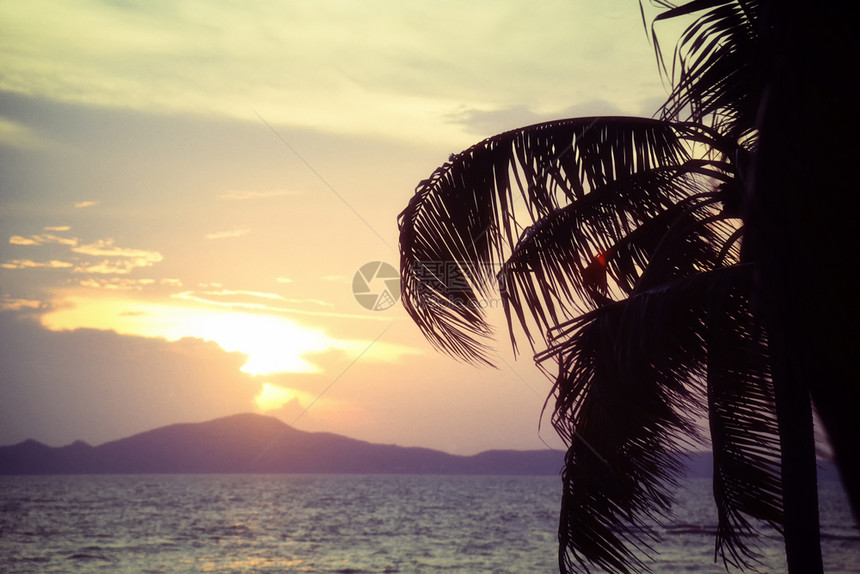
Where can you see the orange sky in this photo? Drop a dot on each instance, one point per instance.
(187, 191)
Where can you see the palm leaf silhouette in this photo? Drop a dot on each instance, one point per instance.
(473, 211)
(618, 249)
(719, 74)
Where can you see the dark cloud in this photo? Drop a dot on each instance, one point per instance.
(94, 385)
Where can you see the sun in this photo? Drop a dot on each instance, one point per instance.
(272, 343)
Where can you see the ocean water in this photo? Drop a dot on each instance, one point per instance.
(338, 524)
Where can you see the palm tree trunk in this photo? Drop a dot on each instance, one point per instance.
(791, 373)
(800, 225)
(799, 469)
(804, 210)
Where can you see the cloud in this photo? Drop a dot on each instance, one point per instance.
(273, 397)
(258, 294)
(118, 260)
(493, 121)
(271, 341)
(83, 204)
(16, 135)
(124, 261)
(42, 239)
(489, 122)
(235, 232)
(115, 283)
(135, 314)
(30, 264)
(250, 300)
(98, 385)
(369, 67)
(378, 351)
(118, 267)
(57, 228)
(18, 240)
(106, 248)
(238, 294)
(13, 304)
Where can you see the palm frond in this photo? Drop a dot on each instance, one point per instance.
(465, 220)
(620, 418)
(743, 423)
(719, 75)
(594, 249)
(632, 375)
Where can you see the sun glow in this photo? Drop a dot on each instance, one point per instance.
(272, 397)
(273, 344)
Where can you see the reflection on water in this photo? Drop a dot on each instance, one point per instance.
(355, 524)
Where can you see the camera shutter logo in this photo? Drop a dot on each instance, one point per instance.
(376, 286)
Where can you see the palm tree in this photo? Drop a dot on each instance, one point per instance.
(640, 256)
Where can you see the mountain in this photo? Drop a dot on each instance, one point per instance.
(251, 443)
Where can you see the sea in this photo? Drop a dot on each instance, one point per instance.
(345, 524)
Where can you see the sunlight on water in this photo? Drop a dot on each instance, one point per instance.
(340, 524)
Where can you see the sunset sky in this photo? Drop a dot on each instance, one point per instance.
(187, 190)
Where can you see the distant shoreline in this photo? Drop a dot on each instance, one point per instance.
(258, 444)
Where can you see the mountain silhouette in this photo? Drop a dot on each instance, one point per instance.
(252, 443)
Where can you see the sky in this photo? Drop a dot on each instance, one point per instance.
(187, 191)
